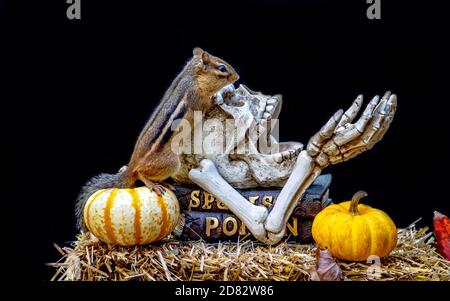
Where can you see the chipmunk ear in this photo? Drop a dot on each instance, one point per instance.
(201, 53)
(205, 58)
(197, 51)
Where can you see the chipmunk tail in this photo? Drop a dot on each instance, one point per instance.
(96, 183)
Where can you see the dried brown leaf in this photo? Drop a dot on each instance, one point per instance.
(326, 267)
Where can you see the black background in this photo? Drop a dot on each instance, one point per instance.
(83, 89)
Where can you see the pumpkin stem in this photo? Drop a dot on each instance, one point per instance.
(355, 201)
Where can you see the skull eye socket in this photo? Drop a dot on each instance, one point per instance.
(222, 68)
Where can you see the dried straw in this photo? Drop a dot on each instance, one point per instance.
(415, 258)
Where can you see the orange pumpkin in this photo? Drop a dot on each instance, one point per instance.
(353, 231)
(130, 217)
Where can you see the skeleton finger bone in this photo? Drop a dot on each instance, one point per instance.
(331, 148)
(376, 122)
(207, 177)
(354, 130)
(352, 139)
(351, 131)
(354, 145)
(367, 114)
(389, 112)
(347, 156)
(326, 132)
(378, 125)
(351, 113)
(349, 134)
(387, 95)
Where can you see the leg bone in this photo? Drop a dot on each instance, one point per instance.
(207, 177)
(293, 189)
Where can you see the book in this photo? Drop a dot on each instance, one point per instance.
(205, 217)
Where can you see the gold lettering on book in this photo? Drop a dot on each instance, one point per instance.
(234, 224)
(211, 223)
(267, 201)
(221, 205)
(194, 202)
(205, 200)
(242, 229)
(253, 199)
(294, 227)
(231, 225)
(209, 199)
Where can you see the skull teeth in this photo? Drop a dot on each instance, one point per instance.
(261, 128)
(278, 157)
(286, 155)
(266, 115)
(292, 153)
(271, 101)
(269, 108)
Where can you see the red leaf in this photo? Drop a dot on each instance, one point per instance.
(442, 234)
(326, 267)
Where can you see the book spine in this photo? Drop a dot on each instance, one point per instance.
(196, 199)
(205, 217)
(225, 226)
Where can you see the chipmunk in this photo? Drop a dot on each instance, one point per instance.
(153, 160)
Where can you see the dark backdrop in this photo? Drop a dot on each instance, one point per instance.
(84, 89)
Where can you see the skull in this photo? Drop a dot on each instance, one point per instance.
(248, 159)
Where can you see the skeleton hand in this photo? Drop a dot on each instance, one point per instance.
(340, 140)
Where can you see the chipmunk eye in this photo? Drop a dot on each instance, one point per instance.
(222, 68)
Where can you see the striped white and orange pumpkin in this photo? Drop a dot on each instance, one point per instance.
(133, 216)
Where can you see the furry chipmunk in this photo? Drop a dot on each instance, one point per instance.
(153, 160)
